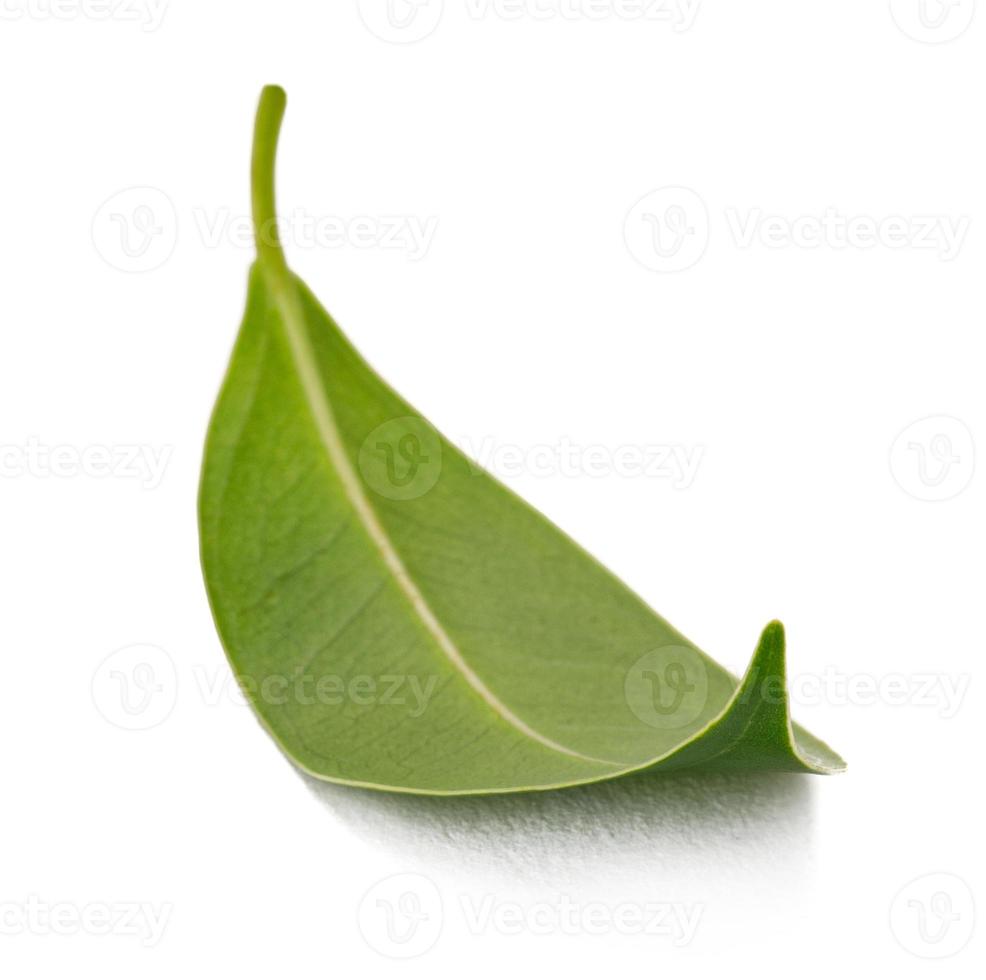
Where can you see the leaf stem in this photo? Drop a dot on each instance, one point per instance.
(267, 127)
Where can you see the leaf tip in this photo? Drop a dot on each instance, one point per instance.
(773, 645)
(773, 632)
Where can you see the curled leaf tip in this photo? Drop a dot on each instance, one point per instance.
(772, 637)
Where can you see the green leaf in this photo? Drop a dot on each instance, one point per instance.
(400, 620)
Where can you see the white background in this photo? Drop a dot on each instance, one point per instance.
(535, 326)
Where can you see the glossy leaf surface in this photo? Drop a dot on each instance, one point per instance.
(402, 621)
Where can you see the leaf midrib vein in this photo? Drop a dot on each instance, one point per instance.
(286, 298)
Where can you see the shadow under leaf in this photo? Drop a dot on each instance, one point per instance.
(671, 826)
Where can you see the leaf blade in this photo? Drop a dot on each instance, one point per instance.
(323, 558)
